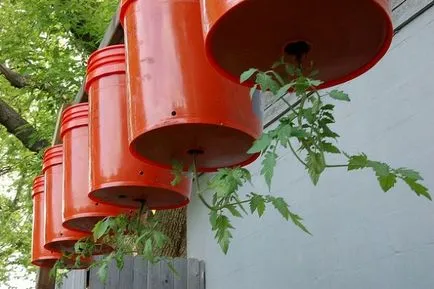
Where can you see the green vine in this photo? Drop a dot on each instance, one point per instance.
(305, 131)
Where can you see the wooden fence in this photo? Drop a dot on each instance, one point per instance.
(140, 274)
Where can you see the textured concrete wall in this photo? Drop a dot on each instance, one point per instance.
(362, 238)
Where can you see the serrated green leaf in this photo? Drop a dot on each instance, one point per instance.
(357, 162)
(103, 273)
(257, 203)
(315, 166)
(308, 115)
(159, 238)
(299, 133)
(381, 169)
(419, 189)
(268, 165)
(284, 90)
(266, 82)
(100, 228)
(327, 132)
(330, 148)
(148, 250)
(409, 173)
(316, 106)
(234, 211)
(281, 206)
(387, 182)
(339, 95)
(297, 220)
(328, 107)
(284, 132)
(247, 74)
(260, 144)
(213, 219)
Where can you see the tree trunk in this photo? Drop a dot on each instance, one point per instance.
(174, 226)
(19, 127)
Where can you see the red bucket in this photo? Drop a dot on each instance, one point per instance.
(116, 177)
(57, 238)
(344, 38)
(40, 256)
(179, 106)
(80, 212)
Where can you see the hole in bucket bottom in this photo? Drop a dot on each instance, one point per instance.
(195, 152)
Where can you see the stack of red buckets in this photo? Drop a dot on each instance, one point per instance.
(158, 99)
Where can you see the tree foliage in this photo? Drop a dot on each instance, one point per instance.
(43, 48)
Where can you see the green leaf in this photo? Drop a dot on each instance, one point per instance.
(308, 115)
(315, 166)
(247, 74)
(284, 132)
(330, 148)
(314, 82)
(213, 219)
(234, 211)
(328, 107)
(177, 172)
(100, 228)
(408, 173)
(387, 182)
(267, 82)
(316, 106)
(297, 220)
(148, 250)
(223, 234)
(339, 95)
(281, 206)
(419, 189)
(268, 165)
(357, 162)
(160, 239)
(257, 203)
(284, 90)
(103, 273)
(381, 169)
(260, 144)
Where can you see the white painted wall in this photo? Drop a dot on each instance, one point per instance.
(362, 238)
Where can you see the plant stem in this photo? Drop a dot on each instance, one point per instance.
(232, 204)
(196, 180)
(336, 166)
(295, 154)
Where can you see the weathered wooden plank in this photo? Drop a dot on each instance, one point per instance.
(113, 276)
(180, 280)
(75, 280)
(193, 270)
(166, 276)
(126, 276)
(202, 280)
(140, 274)
(153, 276)
(94, 282)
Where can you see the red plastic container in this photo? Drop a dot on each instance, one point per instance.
(178, 104)
(40, 256)
(79, 211)
(57, 238)
(116, 177)
(346, 38)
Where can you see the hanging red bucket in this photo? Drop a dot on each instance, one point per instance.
(343, 39)
(116, 177)
(40, 256)
(178, 105)
(57, 238)
(80, 212)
